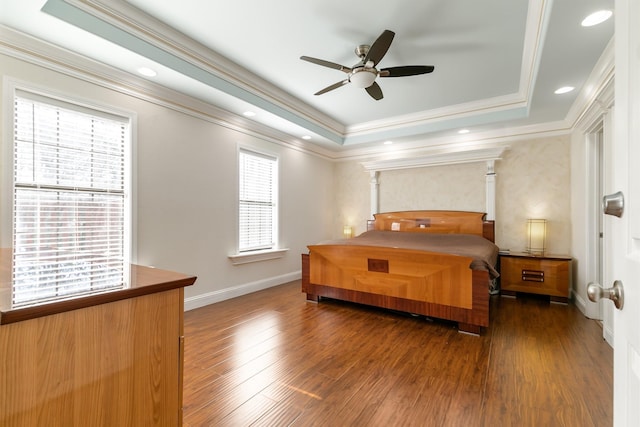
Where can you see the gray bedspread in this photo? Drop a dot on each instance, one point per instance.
(483, 252)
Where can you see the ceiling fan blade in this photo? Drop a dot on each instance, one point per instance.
(379, 47)
(332, 87)
(375, 91)
(326, 63)
(407, 70)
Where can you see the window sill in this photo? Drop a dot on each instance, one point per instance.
(247, 257)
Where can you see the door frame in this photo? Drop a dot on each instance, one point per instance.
(586, 210)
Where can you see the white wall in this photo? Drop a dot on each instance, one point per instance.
(583, 271)
(186, 190)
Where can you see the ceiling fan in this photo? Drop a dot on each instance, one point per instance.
(364, 73)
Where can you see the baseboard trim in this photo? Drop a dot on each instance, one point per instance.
(608, 335)
(579, 302)
(202, 300)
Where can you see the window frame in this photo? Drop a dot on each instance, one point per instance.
(13, 89)
(242, 256)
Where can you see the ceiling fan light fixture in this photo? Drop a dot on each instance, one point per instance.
(363, 77)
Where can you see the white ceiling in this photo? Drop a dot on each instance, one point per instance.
(496, 62)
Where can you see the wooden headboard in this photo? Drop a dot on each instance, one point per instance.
(454, 222)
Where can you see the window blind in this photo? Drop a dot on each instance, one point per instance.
(68, 201)
(257, 196)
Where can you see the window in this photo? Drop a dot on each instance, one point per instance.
(257, 195)
(70, 210)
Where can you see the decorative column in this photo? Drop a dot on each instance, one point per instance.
(375, 185)
(490, 178)
(488, 155)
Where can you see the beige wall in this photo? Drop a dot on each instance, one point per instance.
(352, 197)
(458, 187)
(185, 197)
(533, 181)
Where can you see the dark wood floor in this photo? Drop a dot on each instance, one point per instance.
(273, 359)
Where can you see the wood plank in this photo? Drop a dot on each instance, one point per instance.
(142, 281)
(339, 363)
(433, 222)
(104, 365)
(415, 275)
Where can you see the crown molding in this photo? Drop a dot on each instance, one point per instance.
(39, 52)
(538, 17)
(598, 93)
(138, 31)
(437, 159)
(537, 21)
(32, 50)
(475, 108)
(457, 142)
(171, 43)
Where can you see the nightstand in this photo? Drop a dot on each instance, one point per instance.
(535, 274)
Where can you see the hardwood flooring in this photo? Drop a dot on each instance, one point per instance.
(273, 359)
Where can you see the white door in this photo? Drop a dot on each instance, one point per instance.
(625, 231)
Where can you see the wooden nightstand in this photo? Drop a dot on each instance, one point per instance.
(541, 274)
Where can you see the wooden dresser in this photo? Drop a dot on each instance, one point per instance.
(113, 359)
(544, 275)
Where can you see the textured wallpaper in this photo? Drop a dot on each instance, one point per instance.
(455, 187)
(351, 197)
(533, 181)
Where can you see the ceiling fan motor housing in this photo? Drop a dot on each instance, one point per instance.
(362, 50)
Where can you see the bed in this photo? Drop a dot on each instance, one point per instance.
(433, 263)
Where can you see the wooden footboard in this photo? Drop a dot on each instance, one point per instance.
(415, 281)
(430, 284)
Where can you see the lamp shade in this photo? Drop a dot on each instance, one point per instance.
(536, 236)
(347, 231)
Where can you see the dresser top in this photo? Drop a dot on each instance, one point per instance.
(143, 281)
(535, 256)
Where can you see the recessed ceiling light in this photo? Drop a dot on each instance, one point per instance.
(596, 18)
(388, 142)
(564, 89)
(249, 113)
(147, 72)
(307, 137)
(463, 131)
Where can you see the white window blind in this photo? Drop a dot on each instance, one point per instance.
(69, 201)
(257, 211)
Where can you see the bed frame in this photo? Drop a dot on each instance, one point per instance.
(426, 283)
